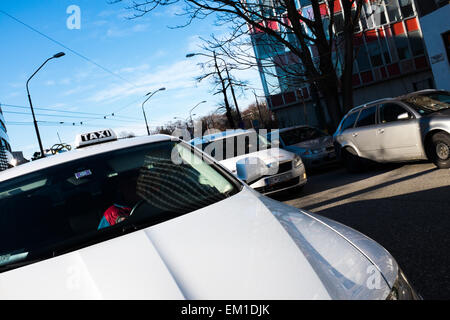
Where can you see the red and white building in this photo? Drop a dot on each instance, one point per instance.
(391, 58)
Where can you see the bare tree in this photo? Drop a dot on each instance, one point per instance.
(212, 69)
(281, 24)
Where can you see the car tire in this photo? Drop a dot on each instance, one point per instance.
(438, 150)
(353, 163)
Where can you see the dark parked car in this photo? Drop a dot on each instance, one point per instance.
(314, 146)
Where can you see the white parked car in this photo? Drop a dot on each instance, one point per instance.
(154, 218)
(282, 169)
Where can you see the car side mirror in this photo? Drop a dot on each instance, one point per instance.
(403, 116)
(251, 169)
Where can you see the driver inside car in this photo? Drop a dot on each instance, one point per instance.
(124, 201)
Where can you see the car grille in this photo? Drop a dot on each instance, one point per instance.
(285, 167)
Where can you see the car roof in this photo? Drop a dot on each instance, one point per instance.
(398, 98)
(419, 92)
(219, 135)
(81, 153)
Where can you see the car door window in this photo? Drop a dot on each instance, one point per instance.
(349, 121)
(389, 112)
(367, 117)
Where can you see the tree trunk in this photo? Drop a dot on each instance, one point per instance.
(330, 90)
(225, 98)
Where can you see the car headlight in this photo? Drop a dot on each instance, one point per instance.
(297, 162)
(402, 289)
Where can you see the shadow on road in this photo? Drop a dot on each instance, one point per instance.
(414, 227)
(368, 189)
(332, 177)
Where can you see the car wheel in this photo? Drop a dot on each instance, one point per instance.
(438, 150)
(353, 163)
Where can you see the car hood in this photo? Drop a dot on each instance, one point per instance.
(322, 142)
(244, 247)
(271, 157)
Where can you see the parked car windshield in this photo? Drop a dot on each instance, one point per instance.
(60, 209)
(299, 135)
(235, 146)
(429, 103)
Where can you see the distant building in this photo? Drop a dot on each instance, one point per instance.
(436, 32)
(5, 147)
(390, 59)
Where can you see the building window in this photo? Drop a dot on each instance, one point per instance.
(406, 8)
(393, 10)
(401, 42)
(338, 23)
(384, 46)
(446, 37)
(304, 3)
(375, 53)
(2, 125)
(362, 58)
(357, 26)
(415, 40)
(424, 84)
(267, 46)
(367, 9)
(379, 14)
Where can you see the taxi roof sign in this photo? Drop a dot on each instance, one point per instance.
(95, 137)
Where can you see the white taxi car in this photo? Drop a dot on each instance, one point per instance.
(280, 169)
(178, 226)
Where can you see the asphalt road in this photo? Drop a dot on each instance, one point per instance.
(404, 207)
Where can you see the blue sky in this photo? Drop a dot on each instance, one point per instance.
(144, 53)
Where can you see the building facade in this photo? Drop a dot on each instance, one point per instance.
(5, 147)
(436, 33)
(390, 59)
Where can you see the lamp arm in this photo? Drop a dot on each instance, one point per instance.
(37, 72)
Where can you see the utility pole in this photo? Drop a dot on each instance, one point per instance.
(36, 128)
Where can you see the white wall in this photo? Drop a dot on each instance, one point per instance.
(433, 25)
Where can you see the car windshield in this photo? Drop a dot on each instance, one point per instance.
(299, 135)
(63, 208)
(231, 147)
(429, 103)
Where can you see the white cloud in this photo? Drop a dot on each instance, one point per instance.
(140, 68)
(194, 43)
(176, 76)
(115, 32)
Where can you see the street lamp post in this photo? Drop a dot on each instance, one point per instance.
(185, 120)
(190, 112)
(58, 55)
(143, 111)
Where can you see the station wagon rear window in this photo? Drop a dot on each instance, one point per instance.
(63, 208)
(429, 103)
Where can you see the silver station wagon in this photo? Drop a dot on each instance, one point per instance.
(407, 128)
